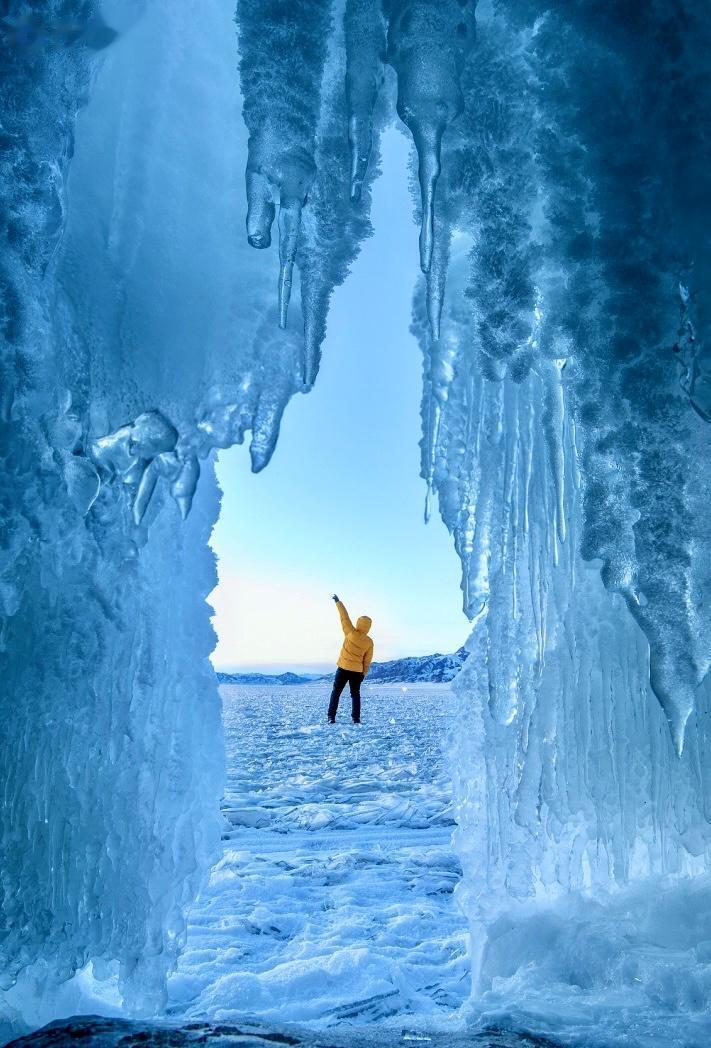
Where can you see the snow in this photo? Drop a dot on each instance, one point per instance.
(332, 902)
(618, 969)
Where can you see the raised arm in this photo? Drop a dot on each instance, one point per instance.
(367, 659)
(346, 623)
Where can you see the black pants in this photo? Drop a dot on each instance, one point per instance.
(353, 680)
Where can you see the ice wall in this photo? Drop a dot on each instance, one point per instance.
(568, 458)
(111, 733)
(567, 773)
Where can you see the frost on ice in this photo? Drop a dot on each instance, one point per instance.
(560, 177)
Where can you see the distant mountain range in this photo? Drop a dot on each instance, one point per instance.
(268, 678)
(426, 669)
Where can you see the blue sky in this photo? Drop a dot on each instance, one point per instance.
(340, 507)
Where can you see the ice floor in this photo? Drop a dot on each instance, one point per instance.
(333, 901)
(330, 919)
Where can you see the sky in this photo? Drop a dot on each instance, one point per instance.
(340, 507)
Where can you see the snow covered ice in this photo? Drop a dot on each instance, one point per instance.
(559, 178)
(333, 901)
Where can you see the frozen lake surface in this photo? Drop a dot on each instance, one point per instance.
(332, 904)
(330, 919)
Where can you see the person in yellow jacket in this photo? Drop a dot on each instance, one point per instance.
(353, 662)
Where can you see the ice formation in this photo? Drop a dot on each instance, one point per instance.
(139, 336)
(561, 185)
(569, 464)
(111, 770)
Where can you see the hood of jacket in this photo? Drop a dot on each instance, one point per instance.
(364, 623)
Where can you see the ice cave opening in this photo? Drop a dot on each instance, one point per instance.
(332, 903)
(181, 192)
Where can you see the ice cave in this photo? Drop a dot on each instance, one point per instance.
(183, 187)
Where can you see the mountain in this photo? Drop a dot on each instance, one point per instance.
(267, 678)
(426, 669)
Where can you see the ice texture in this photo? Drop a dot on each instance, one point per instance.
(332, 903)
(297, 116)
(427, 44)
(569, 278)
(111, 772)
(136, 341)
(568, 464)
(560, 179)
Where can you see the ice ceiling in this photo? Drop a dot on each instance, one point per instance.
(560, 182)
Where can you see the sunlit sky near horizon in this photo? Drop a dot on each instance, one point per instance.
(340, 507)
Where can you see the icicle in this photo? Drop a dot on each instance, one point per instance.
(146, 487)
(427, 41)
(314, 333)
(553, 420)
(428, 143)
(673, 675)
(428, 502)
(260, 209)
(677, 702)
(430, 447)
(428, 412)
(265, 427)
(294, 179)
(365, 49)
(296, 113)
(440, 371)
(436, 278)
(282, 53)
(82, 482)
(184, 486)
(289, 224)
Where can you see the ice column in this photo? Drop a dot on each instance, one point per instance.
(427, 44)
(365, 55)
(567, 776)
(282, 47)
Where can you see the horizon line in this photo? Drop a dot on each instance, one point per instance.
(306, 667)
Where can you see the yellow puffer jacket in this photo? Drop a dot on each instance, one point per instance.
(357, 651)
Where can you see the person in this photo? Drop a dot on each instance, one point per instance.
(353, 662)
